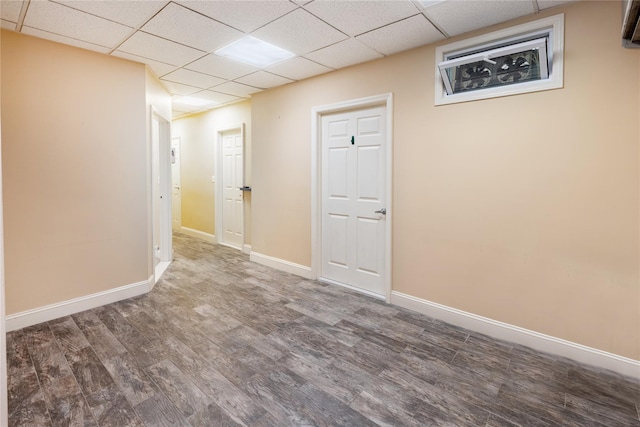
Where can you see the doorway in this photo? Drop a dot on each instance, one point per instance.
(161, 192)
(230, 188)
(352, 195)
(176, 192)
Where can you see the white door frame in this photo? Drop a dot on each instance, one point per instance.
(176, 158)
(385, 100)
(218, 174)
(164, 172)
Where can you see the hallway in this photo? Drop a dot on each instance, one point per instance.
(221, 341)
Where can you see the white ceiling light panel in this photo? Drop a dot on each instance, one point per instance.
(253, 51)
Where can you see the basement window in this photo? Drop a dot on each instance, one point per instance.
(521, 59)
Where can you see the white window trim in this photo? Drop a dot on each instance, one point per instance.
(556, 72)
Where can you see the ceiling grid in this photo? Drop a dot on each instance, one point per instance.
(177, 39)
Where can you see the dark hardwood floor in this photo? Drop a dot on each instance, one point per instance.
(221, 341)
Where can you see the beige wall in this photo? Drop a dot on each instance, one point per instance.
(198, 134)
(4, 410)
(75, 169)
(523, 209)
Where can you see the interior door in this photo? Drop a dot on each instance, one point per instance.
(232, 181)
(353, 198)
(176, 194)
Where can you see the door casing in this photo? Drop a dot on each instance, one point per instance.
(176, 182)
(385, 100)
(161, 193)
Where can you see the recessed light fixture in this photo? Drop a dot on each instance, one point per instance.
(192, 100)
(253, 51)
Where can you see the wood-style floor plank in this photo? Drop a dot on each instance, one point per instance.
(221, 341)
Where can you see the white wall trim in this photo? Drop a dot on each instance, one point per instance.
(282, 265)
(246, 249)
(386, 100)
(65, 308)
(161, 267)
(199, 234)
(518, 335)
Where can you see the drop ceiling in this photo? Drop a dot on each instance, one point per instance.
(176, 39)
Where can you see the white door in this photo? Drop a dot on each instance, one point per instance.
(353, 198)
(232, 181)
(176, 195)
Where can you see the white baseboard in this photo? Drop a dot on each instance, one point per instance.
(280, 264)
(199, 234)
(246, 249)
(65, 308)
(159, 271)
(518, 335)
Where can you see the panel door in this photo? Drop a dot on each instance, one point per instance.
(353, 198)
(233, 179)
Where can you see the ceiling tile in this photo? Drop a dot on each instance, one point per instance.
(193, 78)
(359, 16)
(546, 4)
(64, 40)
(184, 26)
(455, 18)
(298, 68)
(156, 48)
(131, 13)
(299, 32)
(10, 10)
(179, 88)
(62, 20)
(215, 65)
(237, 89)
(264, 80)
(7, 25)
(416, 31)
(343, 54)
(158, 68)
(244, 15)
(217, 97)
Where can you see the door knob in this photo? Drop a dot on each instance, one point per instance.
(382, 211)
